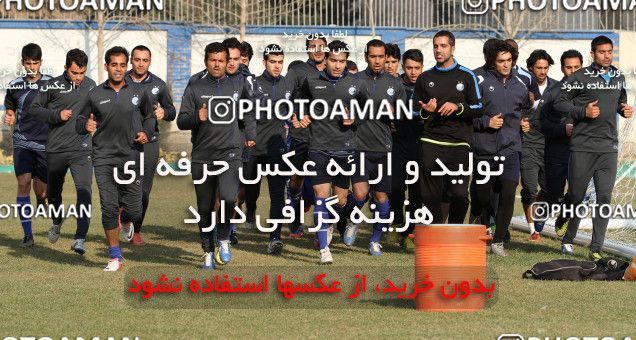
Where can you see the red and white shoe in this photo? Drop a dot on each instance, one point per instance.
(535, 237)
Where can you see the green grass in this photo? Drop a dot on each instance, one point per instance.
(50, 291)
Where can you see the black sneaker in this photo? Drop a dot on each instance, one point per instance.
(27, 242)
(233, 237)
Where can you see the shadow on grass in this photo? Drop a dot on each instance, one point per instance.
(45, 253)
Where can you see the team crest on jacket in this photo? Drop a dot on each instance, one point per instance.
(459, 86)
(287, 94)
(390, 91)
(352, 90)
(235, 96)
(431, 84)
(155, 90)
(135, 100)
(491, 89)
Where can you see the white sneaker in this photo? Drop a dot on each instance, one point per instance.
(113, 265)
(78, 246)
(208, 261)
(498, 249)
(350, 234)
(127, 231)
(54, 232)
(325, 256)
(567, 249)
(375, 248)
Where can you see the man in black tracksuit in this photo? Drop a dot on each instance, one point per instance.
(163, 109)
(373, 138)
(211, 142)
(120, 116)
(593, 95)
(406, 148)
(449, 98)
(299, 137)
(557, 128)
(270, 141)
(506, 102)
(330, 138)
(60, 106)
(533, 145)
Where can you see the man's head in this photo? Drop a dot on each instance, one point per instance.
(539, 63)
(514, 44)
(246, 53)
(234, 48)
(571, 61)
(499, 58)
(273, 58)
(488, 44)
(32, 59)
(392, 62)
(602, 51)
(140, 58)
(412, 64)
(116, 64)
(375, 55)
(216, 56)
(75, 66)
(336, 58)
(352, 67)
(316, 48)
(443, 46)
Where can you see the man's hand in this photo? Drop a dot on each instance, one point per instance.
(429, 107)
(250, 143)
(531, 96)
(203, 113)
(448, 109)
(141, 138)
(591, 110)
(525, 125)
(66, 115)
(496, 121)
(91, 124)
(628, 111)
(159, 112)
(568, 129)
(9, 117)
(348, 121)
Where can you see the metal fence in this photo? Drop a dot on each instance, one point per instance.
(415, 14)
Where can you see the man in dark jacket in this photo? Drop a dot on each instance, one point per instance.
(59, 106)
(593, 95)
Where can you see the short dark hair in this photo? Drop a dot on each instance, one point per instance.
(351, 65)
(246, 50)
(232, 43)
(413, 54)
(514, 45)
(571, 54)
(272, 49)
(115, 51)
(216, 47)
(337, 46)
(76, 56)
(374, 43)
(496, 48)
(448, 34)
(310, 36)
(141, 48)
(31, 51)
(537, 55)
(294, 63)
(601, 40)
(393, 50)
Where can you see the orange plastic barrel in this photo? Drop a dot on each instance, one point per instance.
(450, 253)
(630, 272)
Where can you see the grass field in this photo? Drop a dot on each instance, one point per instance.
(50, 291)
